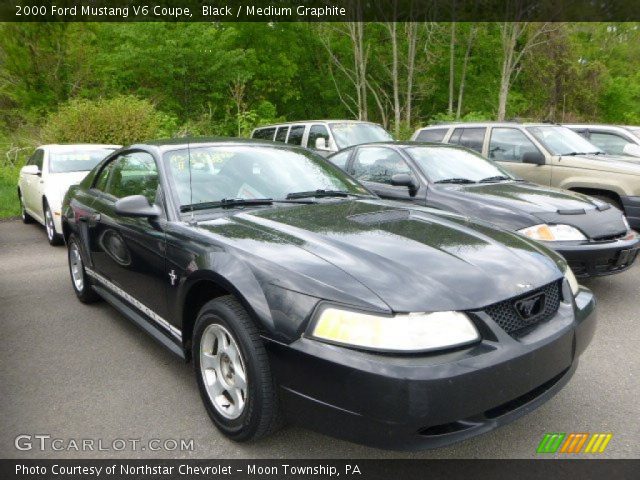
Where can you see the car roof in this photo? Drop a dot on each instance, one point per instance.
(491, 124)
(182, 143)
(401, 144)
(300, 122)
(600, 125)
(63, 146)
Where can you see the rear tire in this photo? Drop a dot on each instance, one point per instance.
(233, 373)
(80, 281)
(26, 218)
(54, 237)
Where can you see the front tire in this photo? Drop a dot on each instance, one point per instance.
(54, 237)
(79, 278)
(233, 372)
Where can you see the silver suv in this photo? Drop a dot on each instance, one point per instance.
(612, 139)
(550, 155)
(324, 136)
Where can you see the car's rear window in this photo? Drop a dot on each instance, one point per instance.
(76, 160)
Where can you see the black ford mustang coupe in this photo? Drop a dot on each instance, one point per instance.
(301, 296)
(593, 236)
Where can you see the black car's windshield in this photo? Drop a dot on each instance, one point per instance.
(562, 141)
(454, 165)
(351, 133)
(254, 172)
(76, 160)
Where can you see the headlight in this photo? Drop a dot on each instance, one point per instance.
(399, 333)
(573, 283)
(552, 233)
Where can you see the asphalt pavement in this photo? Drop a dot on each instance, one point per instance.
(79, 372)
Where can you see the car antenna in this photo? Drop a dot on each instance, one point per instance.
(192, 220)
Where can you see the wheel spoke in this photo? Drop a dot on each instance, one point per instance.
(223, 372)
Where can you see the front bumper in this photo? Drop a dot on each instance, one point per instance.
(417, 402)
(631, 206)
(595, 259)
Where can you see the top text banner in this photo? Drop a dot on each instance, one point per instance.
(318, 10)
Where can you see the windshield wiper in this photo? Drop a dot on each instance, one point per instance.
(456, 180)
(320, 193)
(495, 178)
(226, 202)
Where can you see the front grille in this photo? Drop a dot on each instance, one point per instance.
(505, 313)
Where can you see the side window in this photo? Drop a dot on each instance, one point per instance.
(609, 142)
(435, 135)
(134, 173)
(37, 158)
(378, 164)
(315, 132)
(473, 138)
(295, 135)
(103, 177)
(340, 159)
(509, 144)
(281, 134)
(264, 133)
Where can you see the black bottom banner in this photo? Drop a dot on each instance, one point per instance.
(314, 469)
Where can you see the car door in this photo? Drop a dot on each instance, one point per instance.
(33, 186)
(507, 146)
(374, 166)
(128, 253)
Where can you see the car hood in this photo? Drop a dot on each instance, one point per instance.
(608, 163)
(411, 258)
(527, 197)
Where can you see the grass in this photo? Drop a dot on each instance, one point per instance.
(9, 204)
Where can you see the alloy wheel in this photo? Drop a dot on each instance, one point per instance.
(223, 371)
(77, 273)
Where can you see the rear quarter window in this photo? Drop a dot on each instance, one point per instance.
(435, 135)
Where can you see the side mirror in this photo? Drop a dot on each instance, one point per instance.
(533, 158)
(321, 144)
(404, 180)
(631, 149)
(31, 170)
(137, 206)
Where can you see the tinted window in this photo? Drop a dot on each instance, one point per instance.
(36, 159)
(103, 177)
(281, 134)
(378, 164)
(264, 133)
(509, 144)
(435, 135)
(295, 135)
(315, 132)
(472, 138)
(134, 174)
(609, 142)
(340, 159)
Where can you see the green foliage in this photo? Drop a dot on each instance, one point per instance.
(120, 120)
(9, 205)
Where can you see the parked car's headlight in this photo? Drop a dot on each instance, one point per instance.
(399, 333)
(571, 279)
(552, 233)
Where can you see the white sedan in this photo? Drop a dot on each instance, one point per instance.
(47, 176)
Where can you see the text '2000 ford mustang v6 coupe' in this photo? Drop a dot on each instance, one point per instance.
(301, 296)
